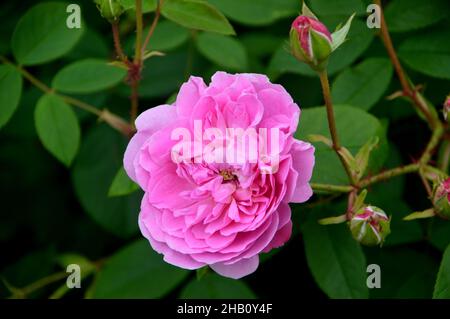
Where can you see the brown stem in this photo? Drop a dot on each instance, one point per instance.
(139, 26)
(434, 141)
(332, 123)
(411, 168)
(328, 188)
(409, 89)
(153, 26)
(134, 70)
(425, 184)
(117, 44)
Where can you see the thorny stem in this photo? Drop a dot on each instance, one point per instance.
(332, 123)
(134, 71)
(444, 157)
(117, 45)
(139, 28)
(331, 188)
(434, 141)
(39, 284)
(153, 26)
(113, 120)
(135, 66)
(411, 168)
(425, 183)
(408, 88)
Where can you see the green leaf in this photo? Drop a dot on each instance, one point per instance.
(167, 36)
(87, 76)
(41, 261)
(122, 184)
(336, 261)
(225, 51)
(100, 156)
(57, 127)
(428, 53)
(306, 11)
(91, 45)
(212, 286)
(420, 215)
(408, 15)
(147, 5)
(137, 271)
(340, 35)
(70, 258)
(197, 14)
(442, 288)
(257, 13)
(10, 92)
(364, 84)
(260, 44)
(42, 35)
(333, 220)
(362, 158)
(355, 128)
(340, 8)
(439, 233)
(405, 273)
(359, 39)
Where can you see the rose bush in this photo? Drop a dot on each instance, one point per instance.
(372, 85)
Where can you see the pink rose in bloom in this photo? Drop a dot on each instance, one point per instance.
(198, 213)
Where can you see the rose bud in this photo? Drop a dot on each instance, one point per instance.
(110, 9)
(446, 109)
(370, 226)
(310, 42)
(441, 198)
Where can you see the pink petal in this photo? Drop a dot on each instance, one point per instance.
(237, 270)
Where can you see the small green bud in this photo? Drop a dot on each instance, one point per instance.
(370, 226)
(110, 9)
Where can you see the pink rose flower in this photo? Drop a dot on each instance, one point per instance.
(199, 213)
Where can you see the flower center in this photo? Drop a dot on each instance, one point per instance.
(227, 175)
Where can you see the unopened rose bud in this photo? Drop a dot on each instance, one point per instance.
(441, 198)
(110, 9)
(446, 109)
(310, 42)
(370, 226)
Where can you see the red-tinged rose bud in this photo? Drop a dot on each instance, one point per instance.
(310, 42)
(446, 109)
(441, 198)
(370, 226)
